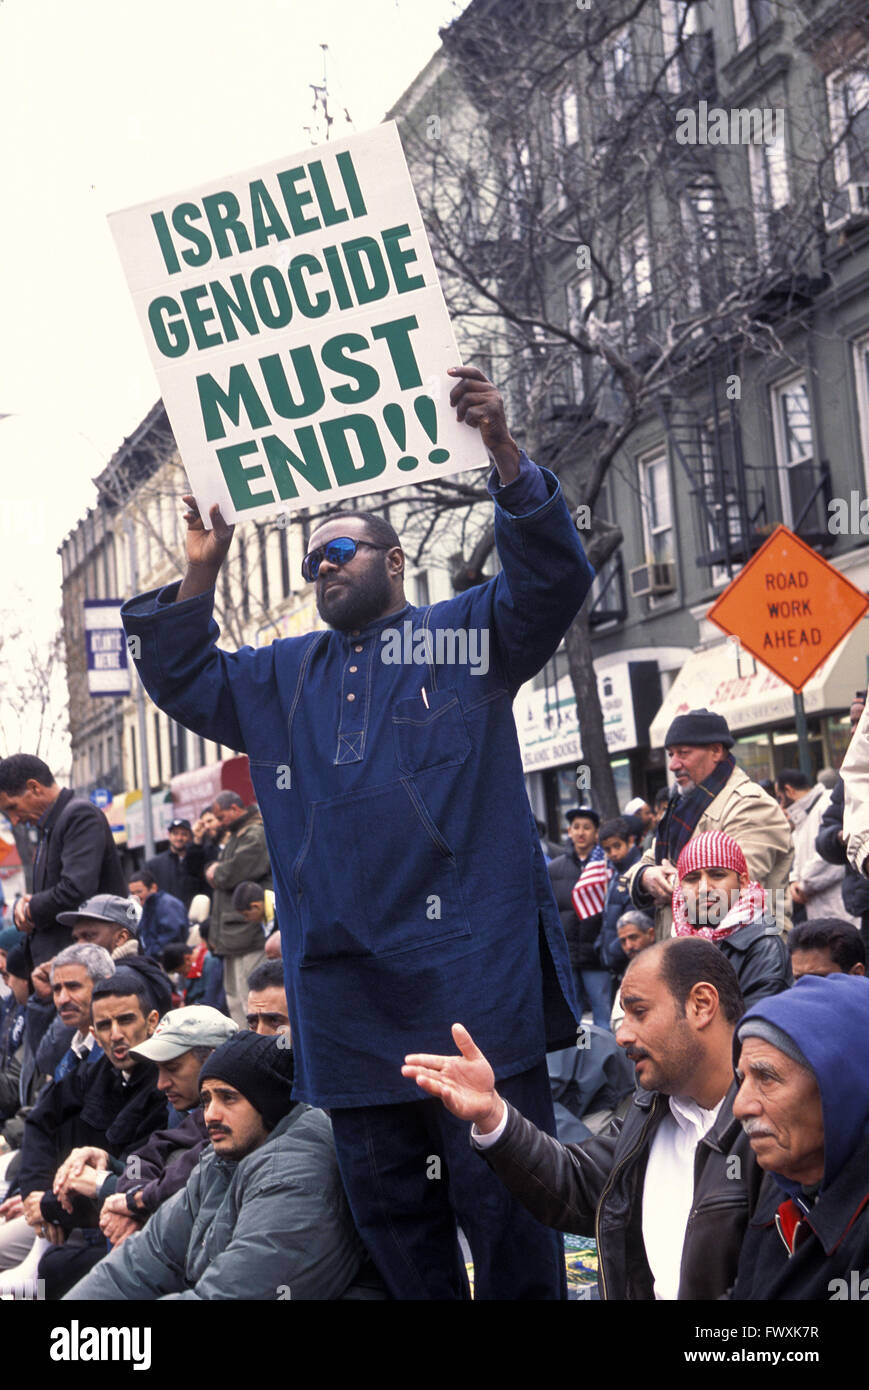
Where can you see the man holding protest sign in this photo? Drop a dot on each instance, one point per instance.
(410, 884)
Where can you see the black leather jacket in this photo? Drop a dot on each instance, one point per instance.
(596, 1189)
(760, 957)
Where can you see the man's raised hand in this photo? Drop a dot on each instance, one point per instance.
(478, 403)
(465, 1084)
(206, 550)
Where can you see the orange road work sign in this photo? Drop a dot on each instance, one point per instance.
(789, 607)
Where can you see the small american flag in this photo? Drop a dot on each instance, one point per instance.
(589, 891)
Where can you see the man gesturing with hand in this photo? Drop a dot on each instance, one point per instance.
(668, 1191)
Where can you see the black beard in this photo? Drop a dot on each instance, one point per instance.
(357, 602)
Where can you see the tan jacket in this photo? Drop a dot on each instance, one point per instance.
(743, 810)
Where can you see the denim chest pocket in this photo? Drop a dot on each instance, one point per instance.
(430, 736)
(395, 885)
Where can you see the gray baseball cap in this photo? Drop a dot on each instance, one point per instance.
(106, 907)
(196, 1026)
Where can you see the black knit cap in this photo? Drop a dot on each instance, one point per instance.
(585, 811)
(260, 1068)
(16, 963)
(698, 727)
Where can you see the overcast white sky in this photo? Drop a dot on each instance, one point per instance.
(104, 105)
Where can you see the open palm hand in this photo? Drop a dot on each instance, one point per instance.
(465, 1084)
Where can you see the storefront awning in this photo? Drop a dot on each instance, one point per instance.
(193, 790)
(728, 681)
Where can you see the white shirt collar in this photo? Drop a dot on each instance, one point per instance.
(690, 1116)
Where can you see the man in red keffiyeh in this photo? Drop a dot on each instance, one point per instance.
(716, 899)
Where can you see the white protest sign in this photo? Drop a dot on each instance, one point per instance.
(298, 331)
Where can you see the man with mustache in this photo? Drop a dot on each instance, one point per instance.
(263, 1215)
(113, 1103)
(711, 793)
(128, 1191)
(668, 1192)
(803, 1102)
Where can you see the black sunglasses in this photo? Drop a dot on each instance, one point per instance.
(338, 552)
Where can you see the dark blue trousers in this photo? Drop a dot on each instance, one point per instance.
(411, 1177)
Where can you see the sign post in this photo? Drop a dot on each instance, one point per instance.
(789, 607)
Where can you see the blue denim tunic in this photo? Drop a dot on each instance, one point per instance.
(408, 873)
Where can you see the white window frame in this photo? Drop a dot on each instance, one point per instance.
(861, 379)
(836, 82)
(636, 288)
(671, 20)
(693, 227)
(620, 43)
(645, 463)
(770, 185)
(719, 575)
(579, 295)
(742, 23)
(783, 464)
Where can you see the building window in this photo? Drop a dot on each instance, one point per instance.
(177, 748)
(607, 595)
(636, 268)
(286, 586)
(657, 510)
(565, 118)
(263, 565)
(699, 224)
(721, 521)
(420, 584)
(244, 577)
(158, 744)
(848, 102)
(861, 375)
(679, 25)
(519, 201)
(792, 430)
(770, 192)
(636, 275)
(750, 18)
(619, 72)
(579, 296)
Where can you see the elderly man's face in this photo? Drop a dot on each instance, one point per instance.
(710, 894)
(633, 939)
(779, 1106)
(71, 988)
(691, 765)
